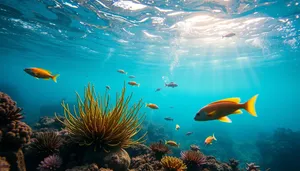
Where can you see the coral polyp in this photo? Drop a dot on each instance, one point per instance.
(8, 110)
(95, 124)
(50, 163)
(159, 149)
(47, 143)
(173, 164)
(193, 159)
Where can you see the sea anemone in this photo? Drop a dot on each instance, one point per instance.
(8, 110)
(159, 150)
(50, 163)
(4, 165)
(173, 164)
(105, 128)
(193, 159)
(47, 143)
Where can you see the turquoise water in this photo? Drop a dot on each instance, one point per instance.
(158, 42)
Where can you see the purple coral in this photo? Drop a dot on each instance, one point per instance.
(252, 167)
(50, 163)
(193, 159)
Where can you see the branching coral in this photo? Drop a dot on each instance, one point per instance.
(8, 110)
(105, 128)
(47, 143)
(173, 164)
(50, 163)
(193, 159)
(159, 150)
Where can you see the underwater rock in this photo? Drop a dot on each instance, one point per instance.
(137, 150)
(116, 160)
(234, 164)
(91, 167)
(51, 123)
(213, 165)
(15, 159)
(140, 162)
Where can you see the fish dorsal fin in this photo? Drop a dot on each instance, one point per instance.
(225, 119)
(232, 99)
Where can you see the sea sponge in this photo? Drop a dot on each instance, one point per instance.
(4, 165)
(159, 150)
(173, 164)
(193, 159)
(16, 134)
(96, 124)
(50, 163)
(8, 110)
(47, 143)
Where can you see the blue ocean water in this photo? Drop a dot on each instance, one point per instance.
(159, 42)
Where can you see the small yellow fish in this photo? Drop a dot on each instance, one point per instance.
(133, 83)
(177, 127)
(41, 73)
(152, 106)
(121, 71)
(172, 143)
(210, 139)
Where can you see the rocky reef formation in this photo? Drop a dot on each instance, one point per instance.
(283, 146)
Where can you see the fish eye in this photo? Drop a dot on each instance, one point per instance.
(198, 114)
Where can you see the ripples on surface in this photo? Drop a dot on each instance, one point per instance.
(185, 33)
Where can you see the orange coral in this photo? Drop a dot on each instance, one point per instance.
(173, 164)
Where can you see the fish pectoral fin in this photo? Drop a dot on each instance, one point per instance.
(225, 119)
(36, 78)
(237, 112)
(232, 99)
(211, 113)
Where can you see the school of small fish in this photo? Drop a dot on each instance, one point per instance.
(218, 110)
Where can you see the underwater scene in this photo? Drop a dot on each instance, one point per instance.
(149, 85)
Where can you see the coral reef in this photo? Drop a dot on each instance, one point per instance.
(137, 150)
(4, 165)
(214, 165)
(173, 164)
(193, 159)
(194, 147)
(8, 110)
(159, 149)
(50, 163)
(145, 161)
(91, 167)
(46, 123)
(234, 164)
(46, 143)
(252, 167)
(95, 124)
(283, 146)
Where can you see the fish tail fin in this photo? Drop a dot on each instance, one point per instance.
(166, 142)
(250, 106)
(54, 78)
(165, 85)
(214, 137)
(126, 73)
(138, 85)
(178, 145)
(146, 104)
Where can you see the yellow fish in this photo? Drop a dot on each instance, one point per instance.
(152, 106)
(210, 139)
(172, 143)
(177, 127)
(41, 73)
(219, 110)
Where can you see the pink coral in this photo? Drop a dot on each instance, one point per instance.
(50, 163)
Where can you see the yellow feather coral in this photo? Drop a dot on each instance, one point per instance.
(105, 128)
(173, 164)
